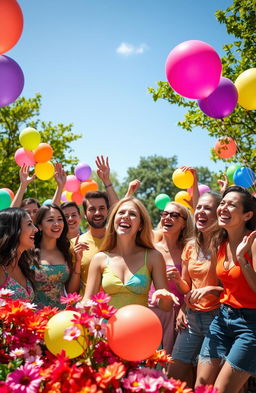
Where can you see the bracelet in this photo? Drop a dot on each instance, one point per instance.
(76, 272)
(109, 185)
(247, 265)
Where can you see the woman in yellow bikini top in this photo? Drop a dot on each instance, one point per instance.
(128, 262)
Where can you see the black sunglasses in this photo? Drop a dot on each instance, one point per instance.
(165, 214)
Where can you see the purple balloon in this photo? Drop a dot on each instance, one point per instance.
(83, 171)
(11, 80)
(222, 101)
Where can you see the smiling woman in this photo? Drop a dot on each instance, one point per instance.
(128, 262)
(54, 271)
(17, 234)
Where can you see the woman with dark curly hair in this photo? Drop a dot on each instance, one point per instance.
(54, 273)
(227, 357)
(17, 233)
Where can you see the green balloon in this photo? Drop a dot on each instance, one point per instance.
(5, 199)
(231, 171)
(161, 201)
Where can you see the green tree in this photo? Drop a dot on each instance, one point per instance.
(13, 119)
(155, 174)
(239, 56)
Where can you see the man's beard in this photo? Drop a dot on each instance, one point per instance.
(97, 225)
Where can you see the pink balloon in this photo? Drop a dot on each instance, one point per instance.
(23, 156)
(203, 188)
(193, 69)
(72, 184)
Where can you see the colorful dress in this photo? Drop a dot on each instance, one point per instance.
(50, 283)
(134, 291)
(19, 291)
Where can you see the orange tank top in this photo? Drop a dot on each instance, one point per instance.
(237, 292)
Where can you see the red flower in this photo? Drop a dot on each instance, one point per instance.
(180, 387)
(159, 357)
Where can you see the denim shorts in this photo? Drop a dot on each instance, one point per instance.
(232, 337)
(189, 341)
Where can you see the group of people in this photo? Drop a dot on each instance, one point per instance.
(197, 272)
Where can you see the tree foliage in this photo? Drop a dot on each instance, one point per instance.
(13, 119)
(155, 174)
(239, 56)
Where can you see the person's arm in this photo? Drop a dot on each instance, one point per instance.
(162, 297)
(93, 284)
(195, 191)
(103, 172)
(73, 284)
(195, 295)
(133, 186)
(249, 271)
(60, 177)
(183, 282)
(25, 180)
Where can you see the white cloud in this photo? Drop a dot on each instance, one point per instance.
(126, 49)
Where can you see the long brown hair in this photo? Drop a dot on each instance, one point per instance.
(143, 237)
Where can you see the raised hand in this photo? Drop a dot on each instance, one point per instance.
(25, 178)
(60, 175)
(103, 170)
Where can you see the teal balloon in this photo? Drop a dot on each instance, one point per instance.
(5, 199)
(47, 202)
(161, 201)
(231, 171)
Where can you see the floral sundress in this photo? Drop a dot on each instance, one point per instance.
(50, 283)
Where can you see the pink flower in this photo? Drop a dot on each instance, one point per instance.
(18, 352)
(101, 297)
(103, 310)
(71, 333)
(206, 389)
(25, 379)
(97, 327)
(6, 293)
(70, 299)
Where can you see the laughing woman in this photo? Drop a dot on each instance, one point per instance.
(128, 262)
(17, 233)
(54, 272)
(177, 229)
(227, 357)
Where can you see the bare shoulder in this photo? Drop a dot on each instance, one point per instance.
(99, 259)
(154, 257)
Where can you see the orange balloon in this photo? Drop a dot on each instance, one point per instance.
(88, 186)
(77, 197)
(134, 332)
(11, 24)
(225, 147)
(43, 152)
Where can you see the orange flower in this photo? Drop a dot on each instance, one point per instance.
(159, 357)
(180, 387)
(112, 372)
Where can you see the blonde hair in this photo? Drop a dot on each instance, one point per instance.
(187, 233)
(144, 235)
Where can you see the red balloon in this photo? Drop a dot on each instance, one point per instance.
(225, 147)
(11, 24)
(77, 197)
(134, 332)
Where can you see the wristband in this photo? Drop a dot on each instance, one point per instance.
(109, 185)
(76, 272)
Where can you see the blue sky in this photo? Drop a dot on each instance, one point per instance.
(93, 61)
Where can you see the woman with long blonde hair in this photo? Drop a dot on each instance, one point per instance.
(128, 262)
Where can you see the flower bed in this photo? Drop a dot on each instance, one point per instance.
(27, 366)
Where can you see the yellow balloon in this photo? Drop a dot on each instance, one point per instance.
(246, 87)
(68, 195)
(54, 335)
(29, 138)
(182, 179)
(44, 170)
(181, 198)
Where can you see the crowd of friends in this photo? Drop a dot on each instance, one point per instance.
(197, 271)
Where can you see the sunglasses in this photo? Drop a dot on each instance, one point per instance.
(165, 214)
